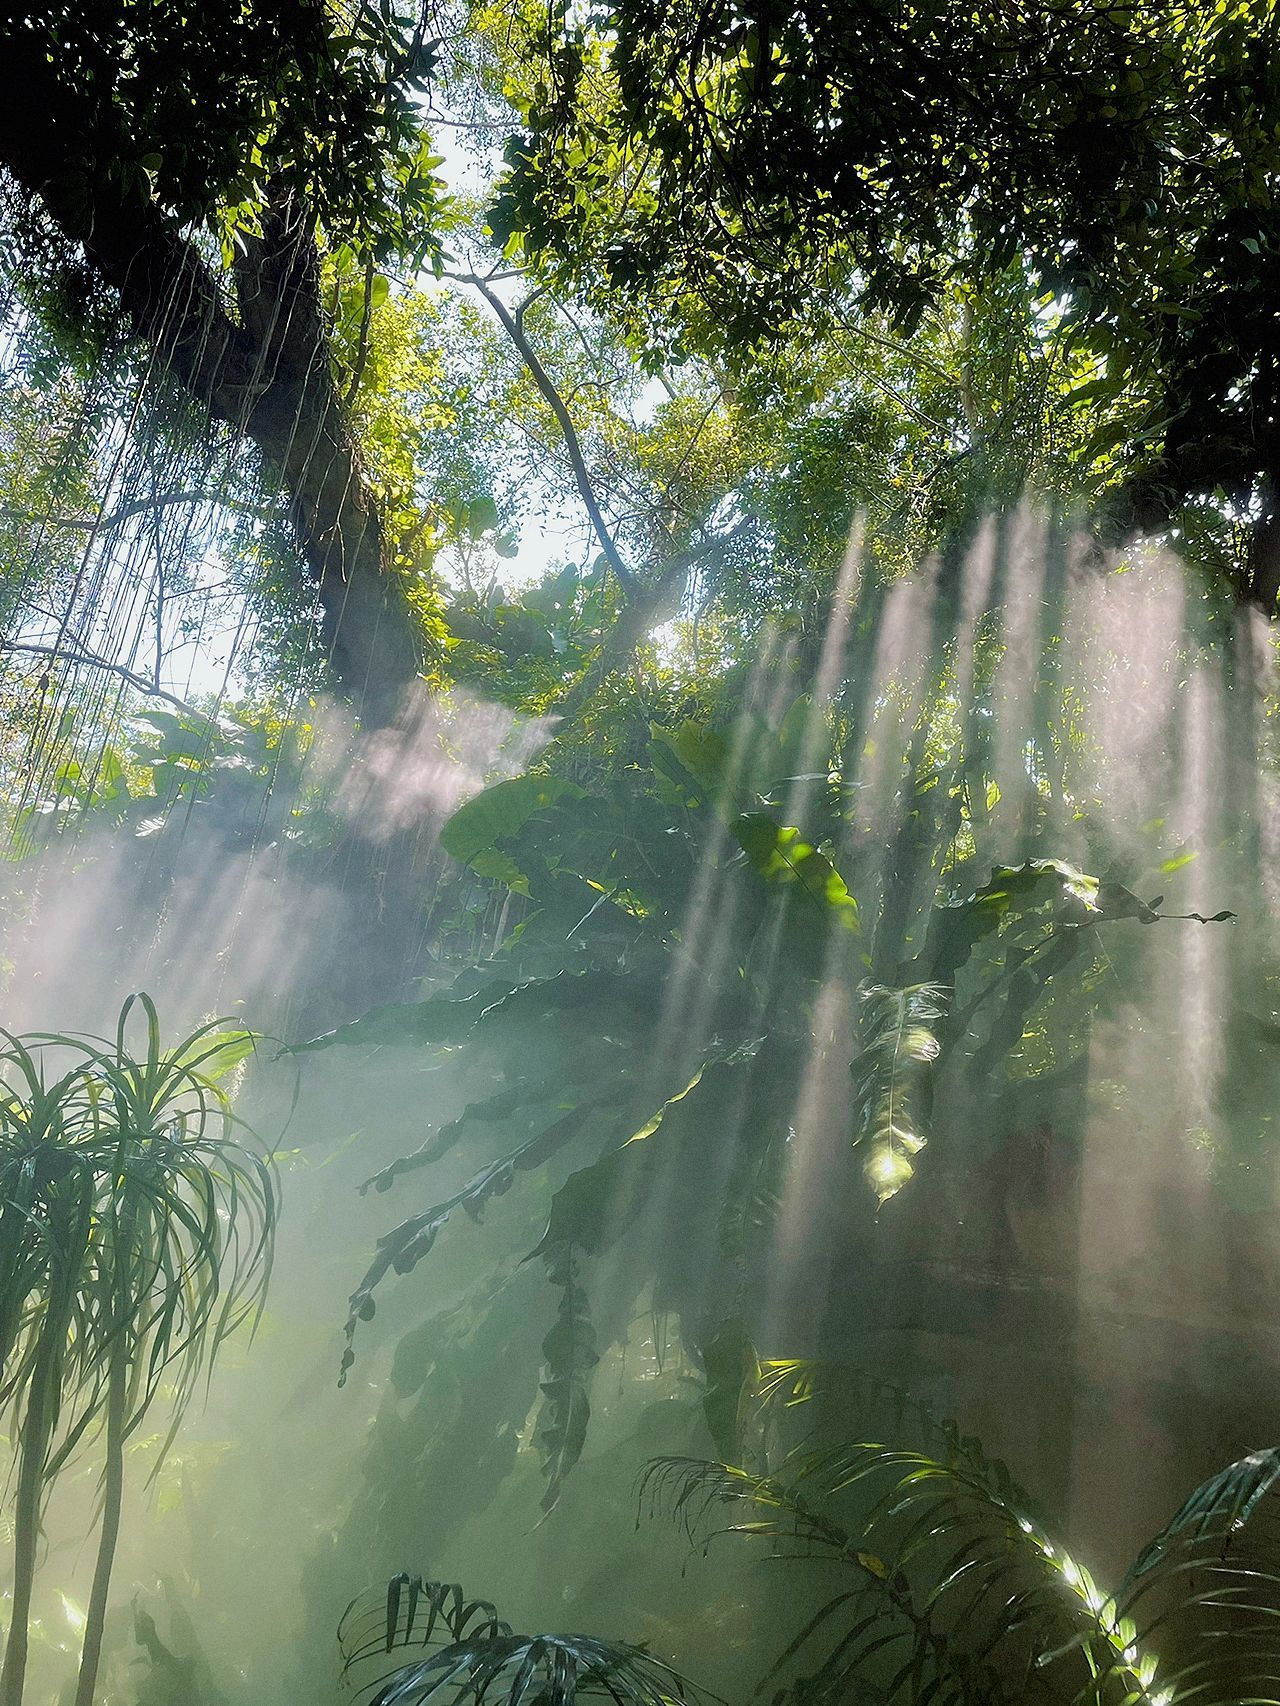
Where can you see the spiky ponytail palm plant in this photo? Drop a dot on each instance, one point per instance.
(135, 1235)
(954, 1597)
(48, 1193)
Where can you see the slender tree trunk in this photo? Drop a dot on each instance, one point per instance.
(109, 1534)
(38, 1424)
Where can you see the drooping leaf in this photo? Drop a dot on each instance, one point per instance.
(1216, 1512)
(475, 832)
(405, 1246)
(595, 1202)
(445, 1019)
(891, 1079)
(781, 855)
(732, 1372)
(1012, 891)
(519, 1670)
(569, 1353)
(442, 1019)
(501, 1105)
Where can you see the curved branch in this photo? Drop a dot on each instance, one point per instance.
(573, 445)
(266, 374)
(63, 654)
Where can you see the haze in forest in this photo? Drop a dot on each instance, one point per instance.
(640, 964)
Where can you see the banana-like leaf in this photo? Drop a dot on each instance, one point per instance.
(588, 1212)
(732, 1370)
(595, 1203)
(500, 1106)
(891, 1080)
(405, 1245)
(569, 1351)
(476, 833)
(780, 854)
(449, 1019)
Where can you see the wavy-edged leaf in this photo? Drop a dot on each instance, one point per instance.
(569, 1352)
(891, 1079)
(490, 1109)
(405, 1246)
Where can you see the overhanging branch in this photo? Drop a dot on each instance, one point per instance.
(512, 325)
(90, 660)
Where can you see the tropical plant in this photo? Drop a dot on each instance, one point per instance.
(472, 1654)
(950, 1592)
(651, 1015)
(136, 1232)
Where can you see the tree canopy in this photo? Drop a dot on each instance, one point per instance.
(679, 600)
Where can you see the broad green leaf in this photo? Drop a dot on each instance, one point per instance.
(474, 833)
(778, 852)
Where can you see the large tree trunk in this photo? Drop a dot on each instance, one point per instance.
(1262, 579)
(265, 374)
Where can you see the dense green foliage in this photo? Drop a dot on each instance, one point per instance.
(677, 597)
(745, 164)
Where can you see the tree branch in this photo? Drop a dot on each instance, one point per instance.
(639, 616)
(266, 375)
(61, 654)
(542, 379)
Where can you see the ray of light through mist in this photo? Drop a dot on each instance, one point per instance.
(1018, 699)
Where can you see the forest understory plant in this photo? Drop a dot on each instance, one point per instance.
(137, 1221)
(470, 1653)
(948, 1592)
(564, 1028)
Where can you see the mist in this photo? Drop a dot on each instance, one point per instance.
(1082, 1282)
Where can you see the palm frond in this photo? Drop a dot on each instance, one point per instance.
(1205, 1592)
(953, 1594)
(517, 1670)
(471, 1654)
